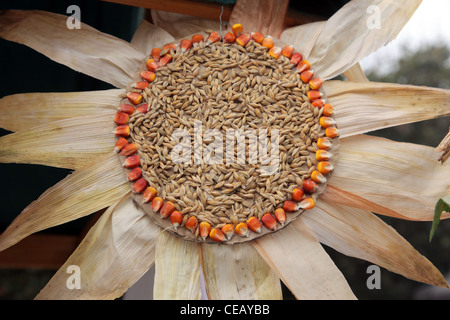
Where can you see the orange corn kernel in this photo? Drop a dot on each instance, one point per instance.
(122, 131)
(141, 85)
(170, 46)
(128, 150)
(314, 94)
(156, 53)
(204, 229)
(127, 108)
(152, 65)
(192, 223)
(297, 194)
(310, 186)
(149, 194)
(175, 219)
(306, 76)
(229, 38)
(242, 229)
(315, 83)
(167, 209)
(143, 108)
(326, 122)
(213, 37)
(324, 143)
(318, 103)
(257, 36)
(296, 58)
(280, 215)
(237, 29)
(254, 224)
(185, 45)
(120, 144)
(287, 51)
(121, 118)
(323, 155)
(134, 97)
(217, 235)
(228, 231)
(131, 162)
(306, 204)
(165, 59)
(268, 42)
(325, 167)
(269, 221)
(148, 75)
(157, 203)
(139, 185)
(134, 174)
(243, 39)
(331, 132)
(275, 52)
(196, 38)
(303, 66)
(327, 110)
(289, 206)
(316, 176)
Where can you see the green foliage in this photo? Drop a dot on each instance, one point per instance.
(442, 205)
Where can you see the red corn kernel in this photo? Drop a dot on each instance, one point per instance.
(149, 194)
(121, 118)
(167, 209)
(229, 38)
(243, 39)
(157, 203)
(139, 185)
(131, 162)
(134, 97)
(143, 108)
(258, 37)
(196, 38)
(296, 58)
(152, 65)
(127, 108)
(310, 186)
(134, 174)
(120, 144)
(122, 131)
(129, 149)
(297, 194)
(141, 85)
(156, 53)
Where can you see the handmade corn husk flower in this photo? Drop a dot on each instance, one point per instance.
(80, 130)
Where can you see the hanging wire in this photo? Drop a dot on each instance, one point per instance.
(220, 21)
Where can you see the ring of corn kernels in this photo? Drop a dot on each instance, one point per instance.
(303, 197)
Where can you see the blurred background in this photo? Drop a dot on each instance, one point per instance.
(419, 56)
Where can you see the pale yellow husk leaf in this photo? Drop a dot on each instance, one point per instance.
(86, 50)
(83, 192)
(303, 37)
(177, 269)
(300, 261)
(149, 36)
(70, 143)
(401, 177)
(356, 30)
(369, 106)
(238, 273)
(180, 25)
(355, 74)
(115, 253)
(28, 110)
(359, 233)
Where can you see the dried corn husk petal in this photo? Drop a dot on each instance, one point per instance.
(149, 36)
(69, 143)
(266, 17)
(86, 50)
(302, 264)
(238, 272)
(361, 234)
(369, 106)
(353, 33)
(303, 37)
(177, 269)
(28, 110)
(401, 177)
(180, 25)
(355, 73)
(114, 254)
(85, 191)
